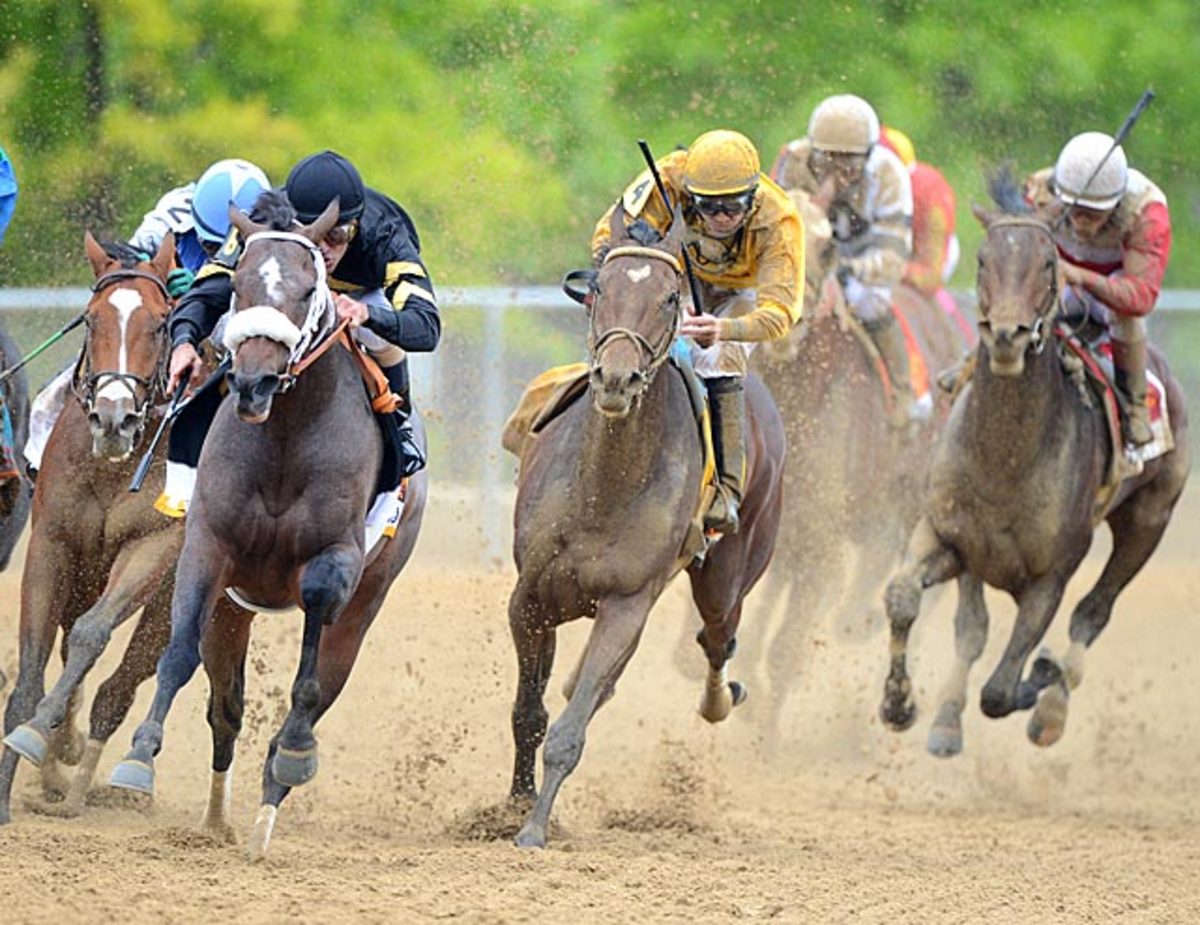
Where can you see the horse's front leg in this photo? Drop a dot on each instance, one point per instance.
(534, 640)
(1035, 609)
(927, 562)
(614, 637)
(327, 583)
(133, 577)
(970, 636)
(199, 578)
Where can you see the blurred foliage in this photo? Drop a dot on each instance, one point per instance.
(506, 128)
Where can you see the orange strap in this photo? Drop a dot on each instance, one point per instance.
(383, 399)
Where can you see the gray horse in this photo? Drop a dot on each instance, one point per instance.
(1014, 489)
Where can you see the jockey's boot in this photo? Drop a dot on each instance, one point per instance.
(892, 347)
(1129, 369)
(727, 409)
(412, 457)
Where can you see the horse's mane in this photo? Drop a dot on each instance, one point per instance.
(273, 209)
(1006, 192)
(128, 255)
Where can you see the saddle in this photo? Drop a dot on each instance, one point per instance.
(1092, 360)
(552, 392)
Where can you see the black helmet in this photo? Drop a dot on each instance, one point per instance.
(320, 178)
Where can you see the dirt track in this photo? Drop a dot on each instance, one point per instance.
(829, 818)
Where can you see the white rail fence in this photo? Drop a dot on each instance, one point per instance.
(494, 340)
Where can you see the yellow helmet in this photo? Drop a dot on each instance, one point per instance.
(721, 163)
(843, 124)
(899, 144)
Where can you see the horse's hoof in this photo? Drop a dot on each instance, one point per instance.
(28, 743)
(134, 775)
(898, 716)
(996, 704)
(717, 703)
(945, 735)
(739, 692)
(530, 836)
(294, 768)
(1049, 721)
(260, 835)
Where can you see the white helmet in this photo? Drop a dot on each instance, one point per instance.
(1078, 162)
(844, 124)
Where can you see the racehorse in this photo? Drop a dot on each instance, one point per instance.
(606, 497)
(97, 553)
(1016, 492)
(852, 484)
(281, 497)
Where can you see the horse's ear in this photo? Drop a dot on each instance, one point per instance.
(984, 216)
(95, 254)
(317, 230)
(616, 225)
(164, 260)
(673, 241)
(241, 221)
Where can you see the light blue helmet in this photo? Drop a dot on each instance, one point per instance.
(225, 181)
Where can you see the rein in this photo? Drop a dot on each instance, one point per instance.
(656, 354)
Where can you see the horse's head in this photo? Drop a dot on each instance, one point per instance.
(123, 365)
(281, 299)
(1017, 281)
(634, 314)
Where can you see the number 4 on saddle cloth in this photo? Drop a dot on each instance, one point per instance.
(403, 443)
(552, 392)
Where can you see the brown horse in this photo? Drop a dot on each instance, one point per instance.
(1015, 482)
(606, 497)
(97, 553)
(281, 498)
(852, 484)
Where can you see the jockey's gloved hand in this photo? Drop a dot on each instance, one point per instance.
(179, 281)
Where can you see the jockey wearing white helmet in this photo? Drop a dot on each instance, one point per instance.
(1113, 246)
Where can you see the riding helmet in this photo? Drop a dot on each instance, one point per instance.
(320, 178)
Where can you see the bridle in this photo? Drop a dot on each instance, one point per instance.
(654, 354)
(145, 390)
(270, 322)
(1050, 301)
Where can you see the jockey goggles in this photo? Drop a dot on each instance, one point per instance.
(738, 204)
(341, 234)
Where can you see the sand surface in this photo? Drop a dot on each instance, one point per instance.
(800, 807)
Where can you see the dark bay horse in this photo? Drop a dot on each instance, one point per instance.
(1013, 497)
(852, 483)
(282, 492)
(97, 553)
(606, 496)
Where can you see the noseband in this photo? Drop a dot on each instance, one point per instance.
(1050, 302)
(654, 354)
(87, 384)
(270, 322)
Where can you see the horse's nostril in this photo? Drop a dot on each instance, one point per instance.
(93, 419)
(130, 423)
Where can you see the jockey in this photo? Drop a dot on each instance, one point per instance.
(1113, 246)
(198, 214)
(935, 249)
(870, 211)
(8, 193)
(373, 260)
(746, 244)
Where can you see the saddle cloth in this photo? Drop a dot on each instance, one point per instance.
(1126, 461)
